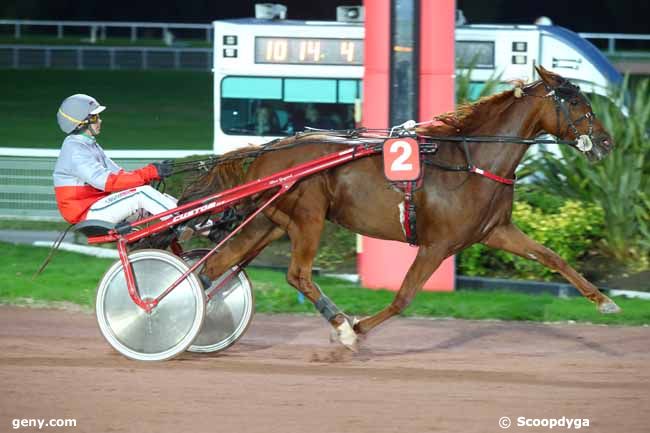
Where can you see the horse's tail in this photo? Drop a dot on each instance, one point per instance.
(228, 172)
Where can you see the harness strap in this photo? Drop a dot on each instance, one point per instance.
(410, 218)
(492, 176)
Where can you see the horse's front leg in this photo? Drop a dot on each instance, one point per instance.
(510, 238)
(427, 260)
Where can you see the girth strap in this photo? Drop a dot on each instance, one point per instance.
(410, 227)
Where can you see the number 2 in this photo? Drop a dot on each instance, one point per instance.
(398, 164)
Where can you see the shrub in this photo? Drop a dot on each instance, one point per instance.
(337, 248)
(571, 231)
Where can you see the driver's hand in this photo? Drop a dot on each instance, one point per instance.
(165, 168)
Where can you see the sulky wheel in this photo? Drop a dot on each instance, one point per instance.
(170, 327)
(228, 313)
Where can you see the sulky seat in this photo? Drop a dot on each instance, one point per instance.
(93, 227)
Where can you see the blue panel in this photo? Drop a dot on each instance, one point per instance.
(251, 88)
(476, 87)
(348, 91)
(475, 91)
(308, 90)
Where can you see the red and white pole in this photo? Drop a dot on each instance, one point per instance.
(383, 264)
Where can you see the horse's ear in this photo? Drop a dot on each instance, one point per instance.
(547, 76)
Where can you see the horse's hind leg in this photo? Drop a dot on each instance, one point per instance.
(243, 246)
(510, 238)
(427, 260)
(304, 228)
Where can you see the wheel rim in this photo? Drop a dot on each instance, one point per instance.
(171, 326)
(228, 312)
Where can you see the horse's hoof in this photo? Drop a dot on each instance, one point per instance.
(347, 336)
(609, 307)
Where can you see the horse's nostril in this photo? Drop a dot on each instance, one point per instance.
(606, 143)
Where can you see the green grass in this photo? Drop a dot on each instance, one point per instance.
(12, 224)
(72, 277)
(146, 109)
(274, 295)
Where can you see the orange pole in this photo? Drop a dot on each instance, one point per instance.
(383, 264)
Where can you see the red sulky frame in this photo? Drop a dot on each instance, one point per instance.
(217, 203)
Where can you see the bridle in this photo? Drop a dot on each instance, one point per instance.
(565, 93)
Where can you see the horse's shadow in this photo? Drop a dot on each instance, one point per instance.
(369, 351)
(256, 339)
(465, 337)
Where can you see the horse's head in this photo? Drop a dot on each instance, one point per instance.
(568, 115)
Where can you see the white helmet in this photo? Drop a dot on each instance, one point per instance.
(74, 111)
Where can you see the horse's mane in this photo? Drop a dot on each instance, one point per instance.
(470, 116)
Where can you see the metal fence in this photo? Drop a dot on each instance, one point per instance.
(83, 57)
(99, 29)
(26, 189)
(613, 46)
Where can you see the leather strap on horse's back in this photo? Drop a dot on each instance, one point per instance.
(409, 218)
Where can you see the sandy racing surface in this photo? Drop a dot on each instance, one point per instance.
(285, 376)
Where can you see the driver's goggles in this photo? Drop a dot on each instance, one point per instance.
(93, 118)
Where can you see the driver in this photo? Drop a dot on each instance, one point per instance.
(88, 184)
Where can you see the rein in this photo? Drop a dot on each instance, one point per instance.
(206, 164)
(429, 140)
(428, 145)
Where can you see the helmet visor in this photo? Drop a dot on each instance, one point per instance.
(98, 110)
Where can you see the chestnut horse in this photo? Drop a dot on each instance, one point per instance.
(454, 209)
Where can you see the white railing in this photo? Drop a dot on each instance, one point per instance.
(97, 30)
(26, 188)
(95, 27)
(612, 38)
(151, 155)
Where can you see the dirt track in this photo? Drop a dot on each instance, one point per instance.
(284, 376)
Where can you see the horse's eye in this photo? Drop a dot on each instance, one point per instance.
(574, 102)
